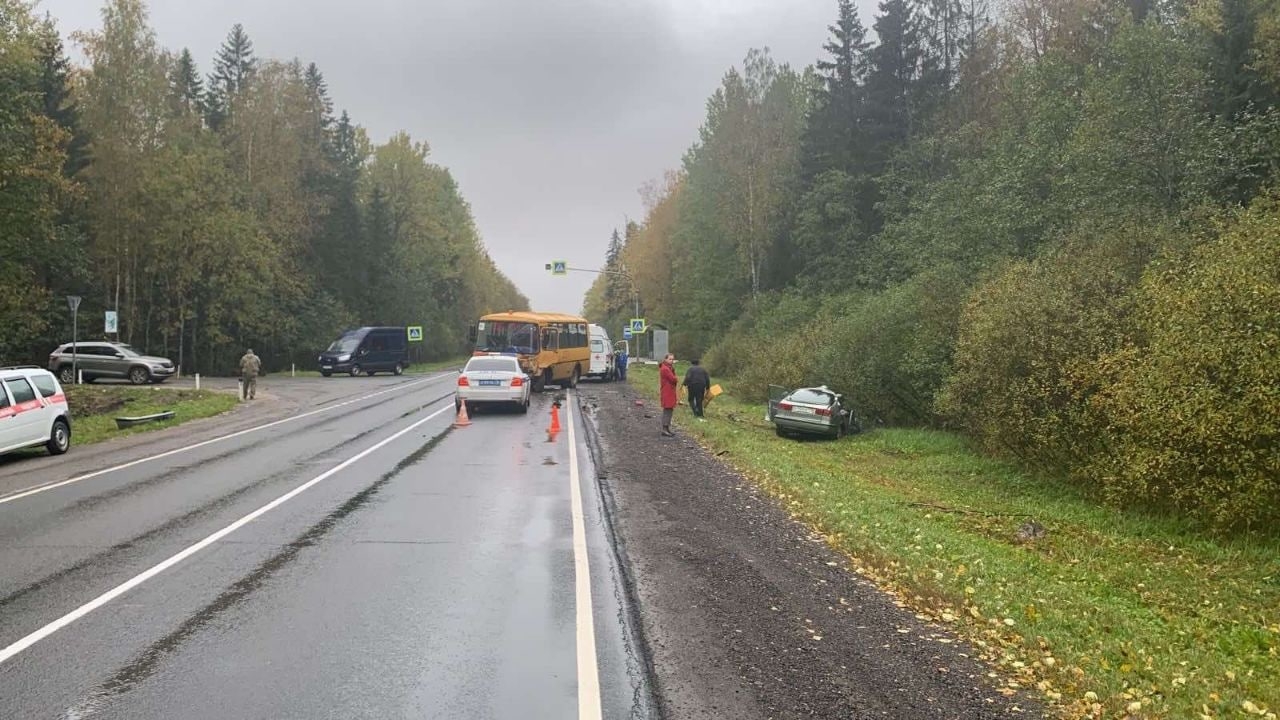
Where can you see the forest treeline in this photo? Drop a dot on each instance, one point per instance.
(217, 211)
(1053, 225)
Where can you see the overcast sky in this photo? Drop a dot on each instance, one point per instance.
(551, 114)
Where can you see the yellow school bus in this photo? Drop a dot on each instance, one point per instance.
(553, 348)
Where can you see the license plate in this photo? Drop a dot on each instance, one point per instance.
(491, 383)
(803, 411)
(326, 367)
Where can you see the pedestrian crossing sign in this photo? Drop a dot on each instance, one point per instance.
(559, 267)
(638, 326)
(415, 333)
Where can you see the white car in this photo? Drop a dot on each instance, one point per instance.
(33, 411)
(493, 379)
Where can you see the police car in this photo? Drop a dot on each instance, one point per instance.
(33, 411)
(495, 378)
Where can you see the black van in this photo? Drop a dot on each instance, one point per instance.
(367, 350)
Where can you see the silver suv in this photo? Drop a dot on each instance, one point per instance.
(109, 360)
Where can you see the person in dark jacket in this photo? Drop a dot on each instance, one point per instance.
(697, 381)
(250, 366)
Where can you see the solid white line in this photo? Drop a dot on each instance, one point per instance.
(146, 575)
(588, 670)
(28, 492)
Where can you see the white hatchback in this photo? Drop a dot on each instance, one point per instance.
(33, 411)
(493, 379)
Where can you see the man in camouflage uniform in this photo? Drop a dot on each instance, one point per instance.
(250, 366)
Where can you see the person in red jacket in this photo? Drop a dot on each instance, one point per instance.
(668, 384)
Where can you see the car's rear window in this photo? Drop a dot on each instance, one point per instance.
(597, 346)
(46, 385)
(21, 391)
(812, 397)
(493, 365)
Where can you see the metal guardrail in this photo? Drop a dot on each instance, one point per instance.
(128, 422)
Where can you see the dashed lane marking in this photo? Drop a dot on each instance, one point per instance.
(46, 487)
(133, 582)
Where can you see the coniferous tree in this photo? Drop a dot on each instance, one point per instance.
(1238, 82)
(833, 127)
(893, 79)
(186, 86)
(59, 105)
(233, 67)
(318, 95)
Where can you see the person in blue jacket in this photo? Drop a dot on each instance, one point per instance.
(620, 361)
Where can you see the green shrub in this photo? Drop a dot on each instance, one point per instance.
(1020, 384)
(1193, 406)
(890, 352)
(766, 344)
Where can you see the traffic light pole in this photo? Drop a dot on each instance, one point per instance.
(561, 268)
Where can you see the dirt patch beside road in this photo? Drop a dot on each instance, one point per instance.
(747, 613)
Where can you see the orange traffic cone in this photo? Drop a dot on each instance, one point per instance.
(555, 418)
(462, 419)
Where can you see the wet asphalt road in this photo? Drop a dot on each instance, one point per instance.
(420, 572)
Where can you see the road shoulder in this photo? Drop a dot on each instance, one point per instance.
(745, 612)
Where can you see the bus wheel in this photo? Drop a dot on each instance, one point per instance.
(573, 379)
(537, 384)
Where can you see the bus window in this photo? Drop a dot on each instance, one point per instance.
(550, 339)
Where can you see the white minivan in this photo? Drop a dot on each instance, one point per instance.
(602, 367)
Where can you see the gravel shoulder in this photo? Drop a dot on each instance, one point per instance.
(745, 612)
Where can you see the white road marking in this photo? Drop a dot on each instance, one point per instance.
(37, 489)
(588, 669)
(106, 597)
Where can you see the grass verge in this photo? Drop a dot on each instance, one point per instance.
(95, 408)
(1110, 615)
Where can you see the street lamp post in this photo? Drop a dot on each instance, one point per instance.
(562, 268)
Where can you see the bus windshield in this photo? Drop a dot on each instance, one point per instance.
(514, 337)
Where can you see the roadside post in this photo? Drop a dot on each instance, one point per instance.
(415, 335)
(638, 328)
(73, 301)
